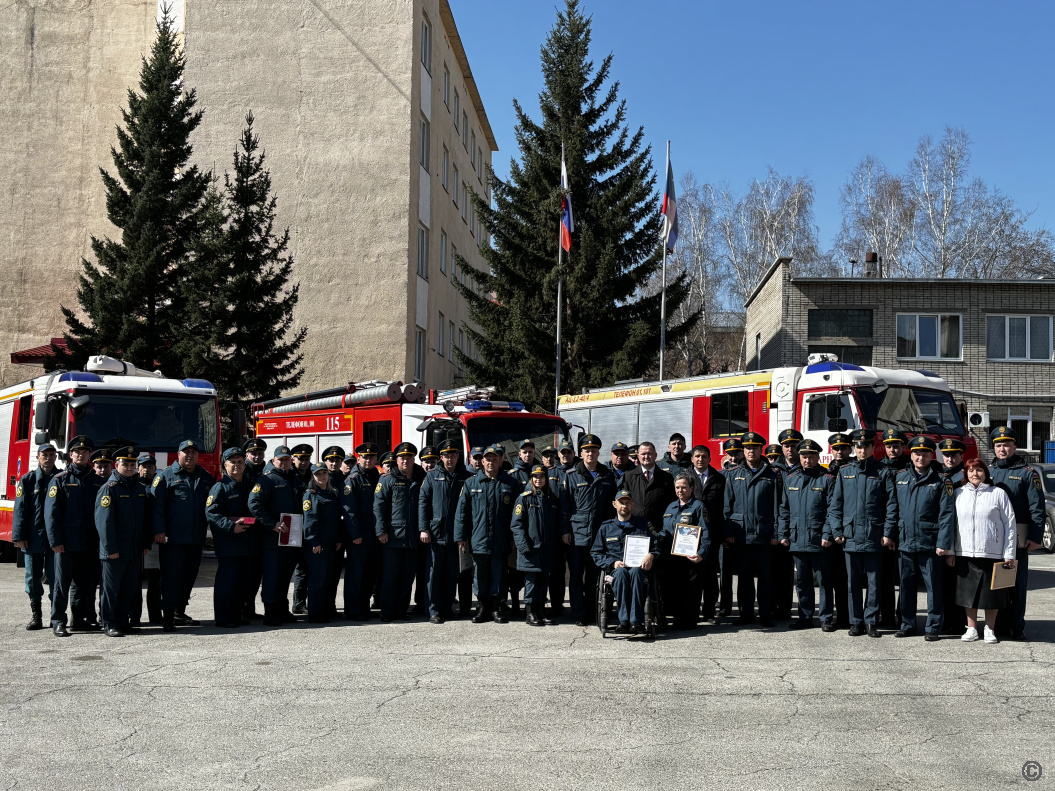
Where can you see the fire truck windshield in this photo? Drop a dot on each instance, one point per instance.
(150, 422)
(511, 431)
(912, 409)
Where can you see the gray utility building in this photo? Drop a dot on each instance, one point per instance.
(991, 340)
(375, 134)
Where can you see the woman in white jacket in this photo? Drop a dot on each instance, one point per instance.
(985, 535)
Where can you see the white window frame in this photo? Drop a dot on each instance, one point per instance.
(457, 108)
(426, 135)
(423, 252)
(426, 44)
(939, 316)
(419, 355)
(443, 252)
(446, 87)
(1007, 337)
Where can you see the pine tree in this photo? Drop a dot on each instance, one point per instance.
(610, 324)
(133, 296)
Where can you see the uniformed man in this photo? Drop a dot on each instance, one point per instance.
(102, 466)
(632, 455)
(566, 451)
(103, 463)
(476, 457)
(732, 457)
(754, 495)
(709, 488)
(589, 493)
(429, 457)
(396, 526)
(276, 492)
(927, 532)
(346, 464)
(146, 469)
(683, 576)
(805, 531)
(842, 453)
(896, 461)
(774, 453)
(557, 586)
(180, 492)
(620, 460)
(29, 532)
(674, 460)
(732, 453)
(437, 505)
(255, 450)
(789, 440)
(537, 529)
(123, 521)
(607, 552)
(322, 537)
(1022, 483)
(521, 471)
(481, 525)
(332, 457)
(363, 564)
(302, 467)
(69, 516)
(952, 450)
(233, 535)
(863, 519)
(388, 463)
(783, 564)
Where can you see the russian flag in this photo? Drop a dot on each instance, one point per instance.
(670, 211)
(567, 223)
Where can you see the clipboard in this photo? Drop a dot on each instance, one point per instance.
(294, 530)
(686, 540)
(1003, 577)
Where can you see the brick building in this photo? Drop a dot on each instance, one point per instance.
(991, 340)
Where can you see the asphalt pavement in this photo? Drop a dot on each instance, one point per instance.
(462, 706)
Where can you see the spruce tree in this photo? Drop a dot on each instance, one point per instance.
(610, 318)
(132, 296)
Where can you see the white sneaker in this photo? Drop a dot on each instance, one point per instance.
(990, 636)
(970, 635)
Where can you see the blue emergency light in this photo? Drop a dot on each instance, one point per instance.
(497, 406)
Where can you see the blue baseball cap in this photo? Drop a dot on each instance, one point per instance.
(45, 448)
(230, 453)
(624, 494)
(187, 444)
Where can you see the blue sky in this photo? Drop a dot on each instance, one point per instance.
(808, 88)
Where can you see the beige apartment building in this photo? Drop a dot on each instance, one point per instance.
(375, 135)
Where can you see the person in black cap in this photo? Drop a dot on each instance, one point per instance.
(363, 564)
(29, 532)
(437, 504)
(233, 534)
(952, 450)
(566, 451)
(388, 463)
(69, 516)
(302, 467)
(754, 495)
(729, 559)
(557, 585)
(103, 463)
(537, 533)
(333, 457)
(429, 457)
(842, 453)
(255, 450)
(589, 490)
(481, 526)
(806, 532)
(732, 453)
(146, 469)
(927, 521)
(521, 472)
(789, 440)
(122, 519)
(276, 492)
(684, 574)
(774, 453)
(782, 563)
(1011, 473)
(396, 525)
(620, 460)
(322, 538)
(674, 460)
(894, 443)
(896, 461)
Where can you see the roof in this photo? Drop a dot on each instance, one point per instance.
(447, 16)
(38, 354)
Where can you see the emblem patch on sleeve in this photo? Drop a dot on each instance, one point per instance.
(347, 488)
(104, 501)
(377, 488)
(1036, 482)
(208, 502)
(157, 480)
(18, 491)
(52, 492)
(307, 505)
(507, 499)
(948, 488)
(518, 510)
(256, 489)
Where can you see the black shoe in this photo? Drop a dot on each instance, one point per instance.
(857, 630)
(767, 623)
(499, 616)
(636, 628)
(1018, 637)
(581, 622)
(168, 623)
(622, 628)
(532, 619)
(156, 619)
(300, 609)
(873, 632)
(549, 617)
(800, 623)
(905, 633)
(435, 619)
(110, 631)
(288, 617)
(136, 623)
(419, 609)
(482, 614)
(385, 619)
(932, 637)
(271, 617)
(60, 630)
(182, 619)
(828, 626)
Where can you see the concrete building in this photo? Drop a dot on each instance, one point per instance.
(991, 340)
(375, 135)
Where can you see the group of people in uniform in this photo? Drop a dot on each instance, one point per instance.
(422, 532)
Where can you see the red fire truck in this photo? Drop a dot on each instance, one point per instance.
(818, 399)
(114, 403)
(388, 413)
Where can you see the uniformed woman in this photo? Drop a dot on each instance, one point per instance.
(322, 531)
(227, 511)
(684, 575)
(537, 531)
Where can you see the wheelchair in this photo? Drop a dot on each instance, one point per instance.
(607, 612)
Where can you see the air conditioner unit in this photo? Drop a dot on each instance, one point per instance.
(978, 420)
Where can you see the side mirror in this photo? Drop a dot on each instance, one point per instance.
(835, 407)
(837, 424)
(879, 386)
(42, 417)
(80, 402)
(41, 438)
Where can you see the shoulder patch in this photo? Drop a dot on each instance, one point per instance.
(157, 480)
(307, 505)
(1036, 482)
(377, 488)
(208, 501)
(256, 489)
(52, 492)
(948, 487)
(518, 510)
(18, 491)
(105, 501)
(347, 488)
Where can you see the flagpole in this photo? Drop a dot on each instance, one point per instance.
(663, 294)
(560, 293)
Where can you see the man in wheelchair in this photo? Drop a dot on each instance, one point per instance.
(628, 583)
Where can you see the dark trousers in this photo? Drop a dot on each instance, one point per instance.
(300, 584)
(755, 561)
(863, 572)
(889, 575)
(1013, 617)
(782, 574)
(929, 566)
(682, 587)
(535, 584)
(465, 592)
(356, 599)
(230, 588)
(254, 575)
(514, 581)
(710, 573)
(71, 567)
(582, 585)
(39, 565)
(814, 568)
(490, 576)
(320, 572)
(557, 576)
(153, 580)
(443, 578)
(120, 586)
(278, 564)
(422, 573)
(179, 569)
(373, 575)
(333, 577)
(837, 563)
(628, 586)
(400, 566)
(730, 562)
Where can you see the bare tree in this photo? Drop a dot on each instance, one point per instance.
(878, 214)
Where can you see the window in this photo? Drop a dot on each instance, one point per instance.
(1032, 424)
(443, 252)
(426, 45)
(854, 355)
(423, 252)
(839, 323)
(379, 432)
(446, 167)
(419, 354)
(424, 129)
(440, 328)
(465, 203)
(457, 105)
(454, 264)
(25, 406)
(465, 131)
(446, 86)
(472, 219)
(914, 409)
(928, 336)
(450, 346)
(817, 411)
(729, 414)
(461, 339)
(472, 148)
(454, 191)
(758, 351)
(480, 169)
(1018, 338)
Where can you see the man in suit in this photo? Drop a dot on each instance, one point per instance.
(709, 489)
(651, 488)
